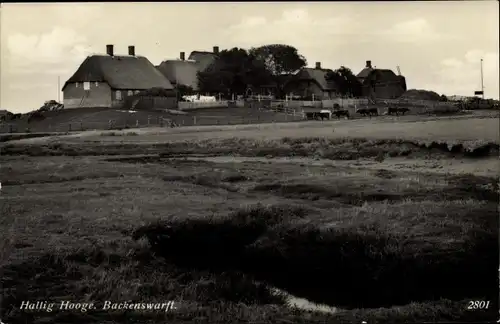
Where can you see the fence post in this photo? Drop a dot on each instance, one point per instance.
(149, 120)
(194, 120)
(69, 127)
(161, 121)
(110, 124)
(137, 123)
(81, 125)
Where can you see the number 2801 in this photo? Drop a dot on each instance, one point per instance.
(478, 304)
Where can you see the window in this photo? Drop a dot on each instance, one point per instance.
(136, 91)
(118, 95)
(96, 84)
(77, 84)
(86, 86)
(130, 93)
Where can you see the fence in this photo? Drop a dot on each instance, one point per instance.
(260, 111)
(186, 105)
(247, 116)
(83, 126)
(421, 106)
(354, 104)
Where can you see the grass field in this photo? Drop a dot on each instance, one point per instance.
(169, 215)
(98, 118)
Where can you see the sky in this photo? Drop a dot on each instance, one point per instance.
(437, 45)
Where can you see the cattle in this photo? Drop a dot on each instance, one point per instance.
(341, 113)
(362, 111)
(325, 114)
(368, 112)
(403, 110)
(318, 115)
(397, 111)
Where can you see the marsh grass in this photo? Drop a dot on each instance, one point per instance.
(368, 261)
(70, 224)
(334, 149)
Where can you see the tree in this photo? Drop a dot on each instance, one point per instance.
(347, 83)
(280, 61)
(183, 90)
(232, 73)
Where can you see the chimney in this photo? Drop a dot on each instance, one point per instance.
(216, 49)
(183, 56)
(318, 65)
(109, 50)
(369, 64)
(131, 50)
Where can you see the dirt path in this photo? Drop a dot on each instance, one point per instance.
(471, 129)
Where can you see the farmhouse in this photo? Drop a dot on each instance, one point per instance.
(309, 82)
(107, 80)
(184, 72)
(381, 83)
(204, 59)
(180, 71)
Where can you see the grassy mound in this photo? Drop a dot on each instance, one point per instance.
(418, 94)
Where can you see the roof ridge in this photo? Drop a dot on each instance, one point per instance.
(126, 72)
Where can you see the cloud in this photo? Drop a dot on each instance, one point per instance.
(36, 85)
(77, 15)
(57, 46)
(295, 27)
(462, 76)
(413, 31)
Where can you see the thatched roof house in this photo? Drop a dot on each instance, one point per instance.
(182, 71)
(381, 83)
(105, 80)
(204, 59)
(364, 73)
(308, 81)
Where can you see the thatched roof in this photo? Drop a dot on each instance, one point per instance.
(180, 72)
(316, 75)
(200, 55)
(364, 73)
(383, 76)
(120, 72)
(203, 59)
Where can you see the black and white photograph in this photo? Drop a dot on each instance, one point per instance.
(249, 162)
